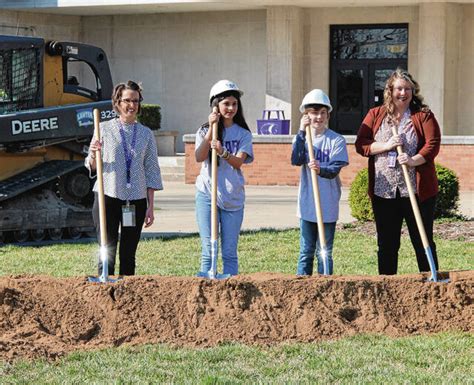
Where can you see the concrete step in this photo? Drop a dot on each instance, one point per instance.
(172, 168)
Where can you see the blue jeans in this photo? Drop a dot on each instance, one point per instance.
(309, 242)
(229, 223)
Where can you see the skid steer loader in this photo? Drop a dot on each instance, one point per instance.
(48, 90)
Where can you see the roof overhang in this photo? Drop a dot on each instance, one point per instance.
(117, 7)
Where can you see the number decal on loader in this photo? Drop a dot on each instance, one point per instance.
(107, 114)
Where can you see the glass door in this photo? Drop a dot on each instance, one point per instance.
(349, 97)
(378, 75)
(362, 59)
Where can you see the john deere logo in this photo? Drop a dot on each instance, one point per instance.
(85, 117)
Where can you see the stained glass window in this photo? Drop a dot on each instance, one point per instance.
(369, 43)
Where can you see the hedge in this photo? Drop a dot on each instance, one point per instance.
(446, 205)
(150, 116)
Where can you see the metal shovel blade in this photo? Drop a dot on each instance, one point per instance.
(104, 277)
(434, 273)
(324, 257)
(210, 275)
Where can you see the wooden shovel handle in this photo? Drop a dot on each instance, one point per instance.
(100, 181)
(314, 181)
(214, 228)
(411, 193)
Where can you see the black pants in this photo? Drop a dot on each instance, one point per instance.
(129, 236)
(389, 215)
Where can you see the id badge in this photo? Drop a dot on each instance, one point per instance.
(128, 216)
(392, 159)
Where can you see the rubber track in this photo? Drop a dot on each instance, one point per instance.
(36, 176)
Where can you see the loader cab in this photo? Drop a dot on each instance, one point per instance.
(35, 73)
(21, 68)
(75, 73)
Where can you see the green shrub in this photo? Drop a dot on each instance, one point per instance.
(150, 116)
(446, 203)
(448, 196)
(359, 201)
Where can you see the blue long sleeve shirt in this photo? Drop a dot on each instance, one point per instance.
(300, 156)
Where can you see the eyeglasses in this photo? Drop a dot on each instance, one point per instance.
(130, 101)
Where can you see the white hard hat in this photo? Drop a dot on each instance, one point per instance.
(223, 86)
(316, 96)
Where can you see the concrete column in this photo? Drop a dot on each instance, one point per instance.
(432, 55)
(452, 77)
(285, 61)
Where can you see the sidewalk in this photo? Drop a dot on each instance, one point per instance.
(265, 207)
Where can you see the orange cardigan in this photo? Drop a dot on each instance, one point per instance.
(429, 140)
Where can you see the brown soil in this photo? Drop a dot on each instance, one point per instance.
(46, 317)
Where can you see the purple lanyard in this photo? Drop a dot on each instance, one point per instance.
(128, 154)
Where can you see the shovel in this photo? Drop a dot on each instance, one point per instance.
(212, 273)
(419, 221)
(317, 204)
(104, 277)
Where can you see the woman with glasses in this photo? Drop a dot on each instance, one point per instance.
(131, 176)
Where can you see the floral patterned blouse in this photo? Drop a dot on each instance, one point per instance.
(390, 179)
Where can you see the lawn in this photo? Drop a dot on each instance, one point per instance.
(441, 358)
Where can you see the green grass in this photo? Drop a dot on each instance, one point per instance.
(443, 358)
(265, 250)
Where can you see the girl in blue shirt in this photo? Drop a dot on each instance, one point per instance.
(234, 148)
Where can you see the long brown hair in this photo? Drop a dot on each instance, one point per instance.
(416, 103)
(238, 118)
(118, 90)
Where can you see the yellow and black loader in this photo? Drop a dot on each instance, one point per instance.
(48, 90)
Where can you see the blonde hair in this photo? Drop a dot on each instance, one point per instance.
(416, 103)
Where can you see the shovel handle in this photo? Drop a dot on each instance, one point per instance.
(414, 203)
(314, 181)
(100, 182)
(214, 229)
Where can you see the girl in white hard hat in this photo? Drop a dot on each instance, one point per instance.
(234, 148)
(330, 155)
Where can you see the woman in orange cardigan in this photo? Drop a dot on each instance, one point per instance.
(419, 135)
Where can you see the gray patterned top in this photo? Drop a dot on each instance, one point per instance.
(145, 170)
(389, 179)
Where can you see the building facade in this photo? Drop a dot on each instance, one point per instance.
(275, 53)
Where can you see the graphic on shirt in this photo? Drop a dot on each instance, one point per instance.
(330, 150)
(322, 155)
(230, 180)
(232, 146)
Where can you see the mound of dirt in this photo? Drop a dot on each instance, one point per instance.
(46, 317)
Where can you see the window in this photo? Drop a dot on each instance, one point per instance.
(369, 43)
(79, 78)
(19, 79)
(362, 58)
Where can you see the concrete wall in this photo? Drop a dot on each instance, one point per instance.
(285, 50)
(178, 57)
(465, 96)
(54, 27)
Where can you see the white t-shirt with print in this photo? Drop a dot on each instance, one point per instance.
(230, 181)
